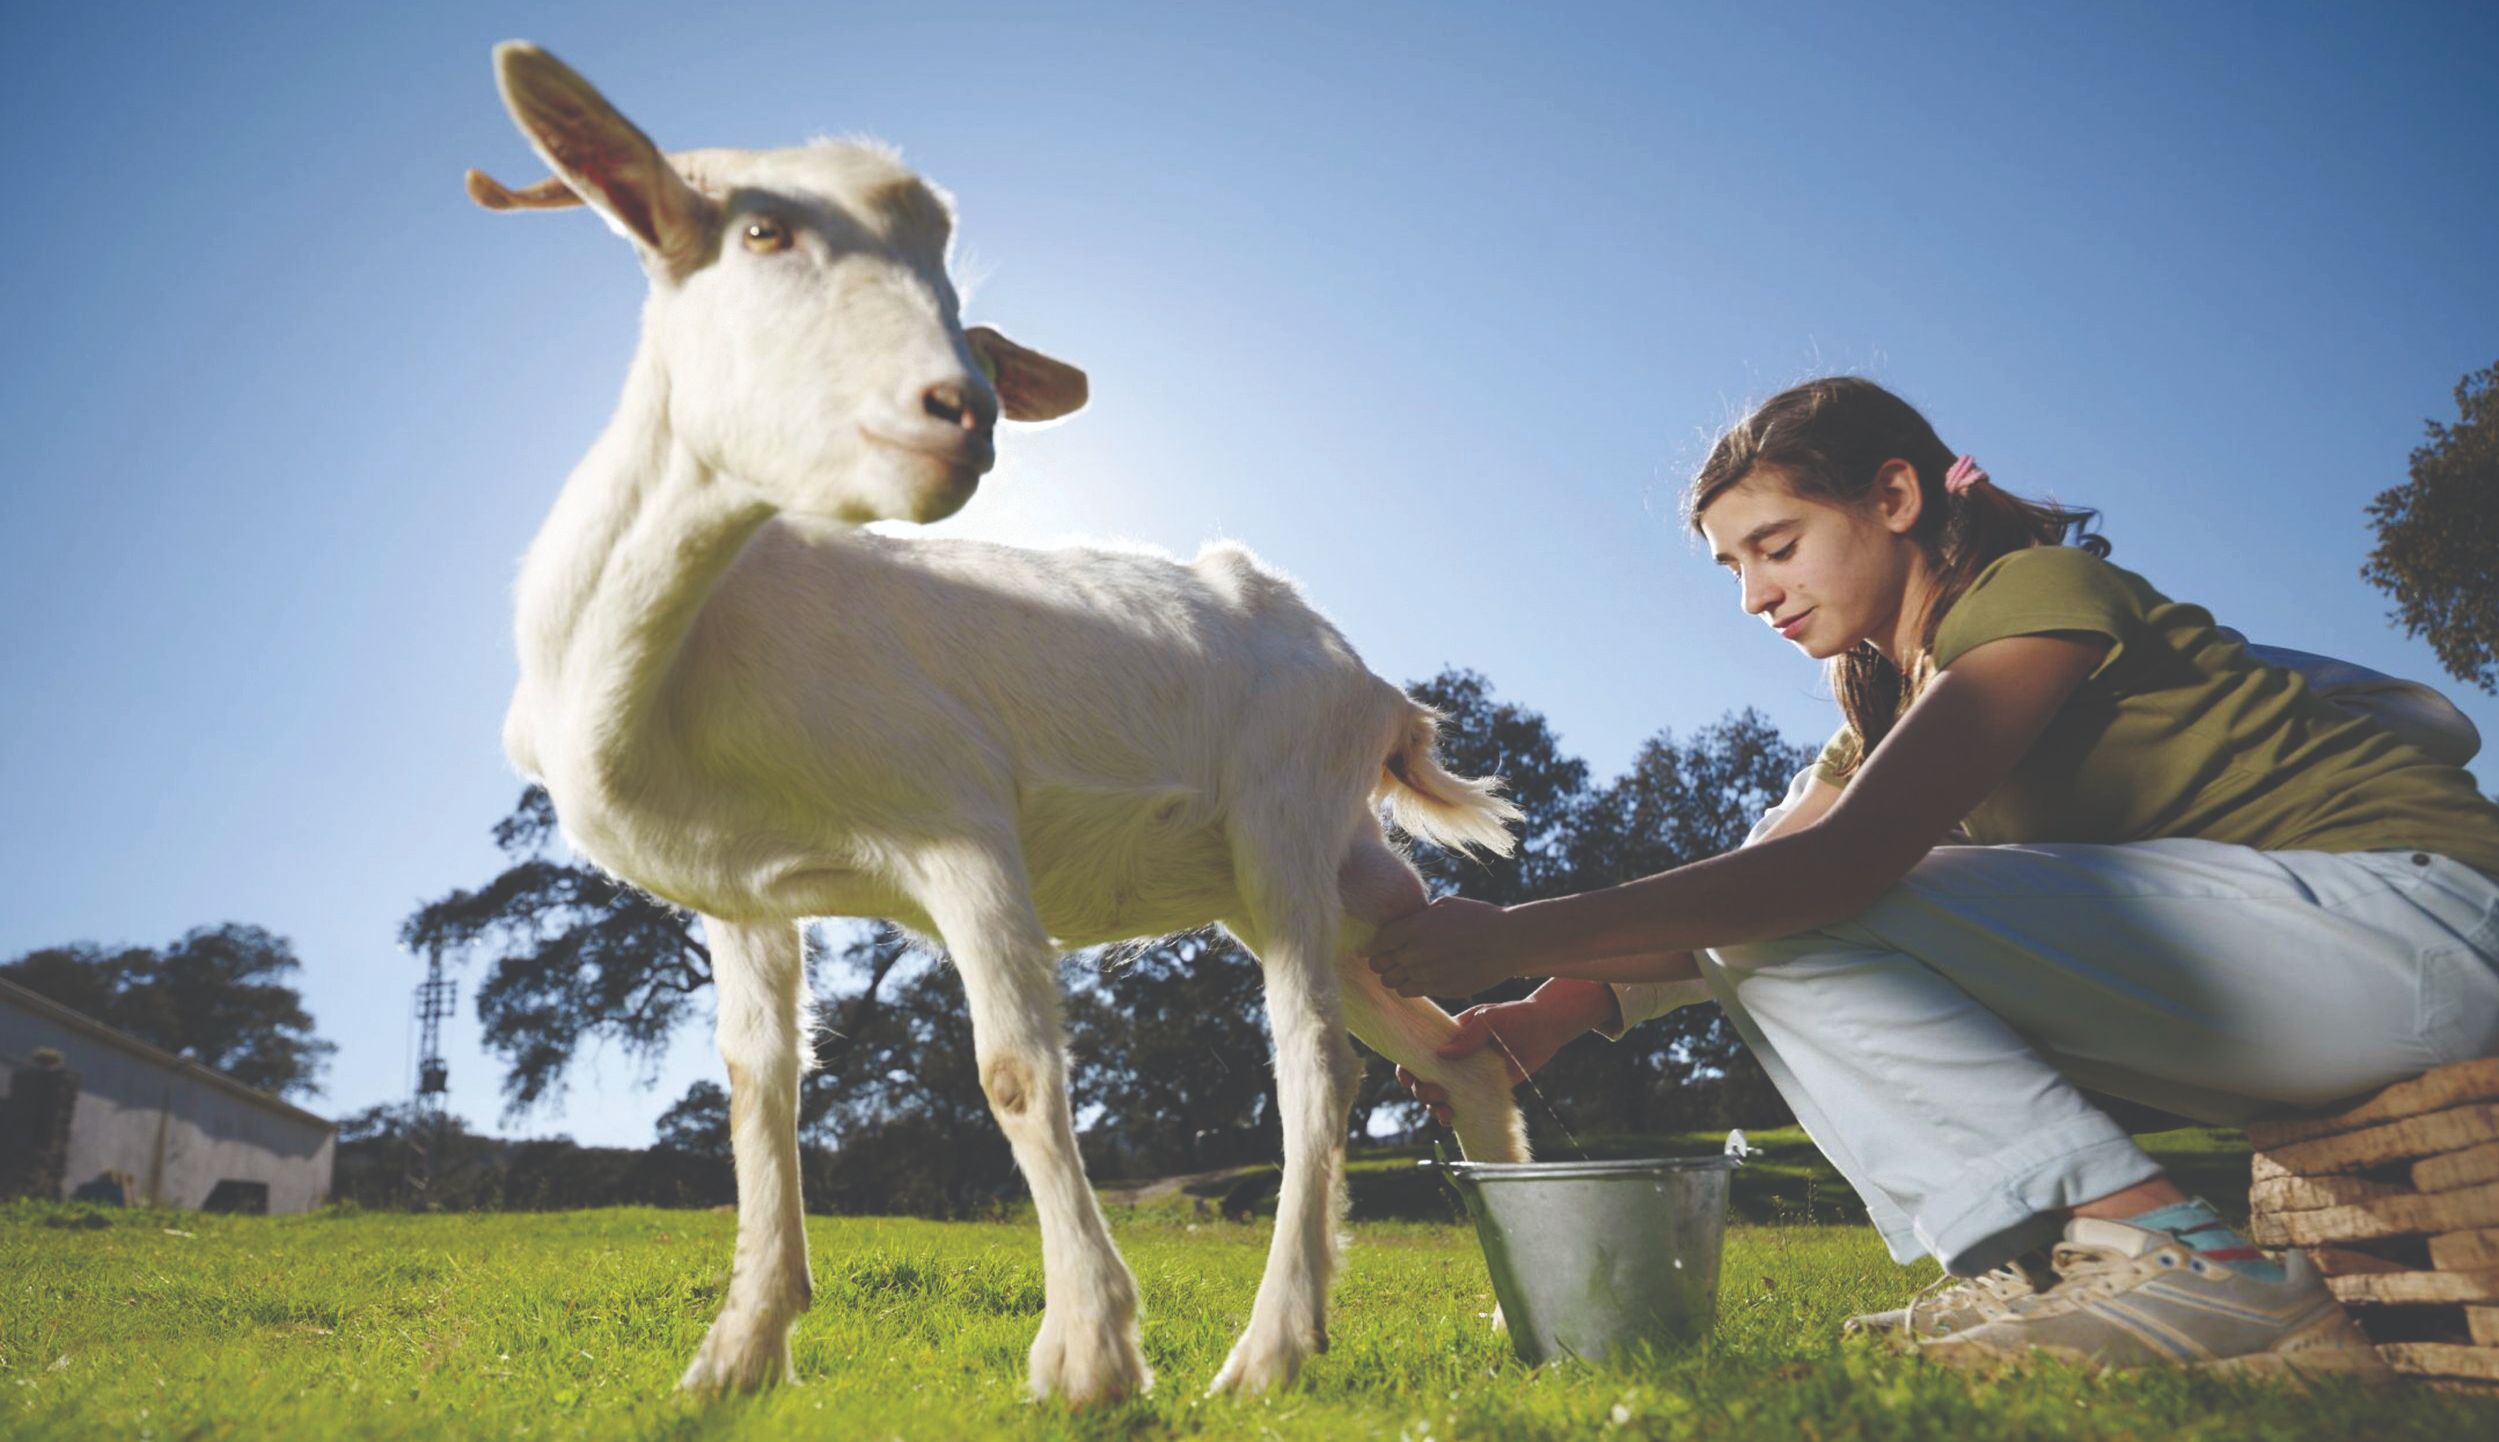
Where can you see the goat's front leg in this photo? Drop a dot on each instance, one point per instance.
(762, 984)
(1087, 1350)
(1315, 1077)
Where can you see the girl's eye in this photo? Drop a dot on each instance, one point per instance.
(1784, 552)
(764, 236)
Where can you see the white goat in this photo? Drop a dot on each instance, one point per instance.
(746, 705)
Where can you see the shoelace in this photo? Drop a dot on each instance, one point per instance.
(2004, 1284)
(2091, 1269)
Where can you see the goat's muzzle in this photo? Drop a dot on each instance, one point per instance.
(962, 449)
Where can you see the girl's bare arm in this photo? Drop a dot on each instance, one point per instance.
(1956, 744)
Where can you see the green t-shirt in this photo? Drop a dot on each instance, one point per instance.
(2179, 732)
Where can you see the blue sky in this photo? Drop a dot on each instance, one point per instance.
(1431, 305)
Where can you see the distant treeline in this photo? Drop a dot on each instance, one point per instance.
(898, 1169)
(379, 1163)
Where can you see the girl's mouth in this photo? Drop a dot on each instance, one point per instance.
(1789, 627)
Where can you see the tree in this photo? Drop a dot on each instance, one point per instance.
(1170, 1057)
(217, 995)
(897, 1088)
(375, 1153)
(1481, 736)
(698, 1125)
(1679, 803)
(2438, 537)
(1682, 802)
(87, 978)
(575, 954)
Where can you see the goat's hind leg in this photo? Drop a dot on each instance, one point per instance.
(762, 998)
(1379, 886)
(1087, 1349)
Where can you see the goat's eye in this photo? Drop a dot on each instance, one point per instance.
(766, 236)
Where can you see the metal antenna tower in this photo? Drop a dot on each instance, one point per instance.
(435, 998)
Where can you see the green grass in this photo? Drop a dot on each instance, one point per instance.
(344, 1324)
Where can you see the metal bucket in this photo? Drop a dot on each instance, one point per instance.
(1587, 1257)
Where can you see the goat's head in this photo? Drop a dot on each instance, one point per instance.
(800, 305)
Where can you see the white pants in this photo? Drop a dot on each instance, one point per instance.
(1934, 1047)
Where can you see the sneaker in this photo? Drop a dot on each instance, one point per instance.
(2129, 1296)
(1952, 1304)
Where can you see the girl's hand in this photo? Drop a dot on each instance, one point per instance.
(1453, 947)
(1512, 1028)
(1525, 1034)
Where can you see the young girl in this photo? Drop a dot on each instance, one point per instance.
(2180, 879)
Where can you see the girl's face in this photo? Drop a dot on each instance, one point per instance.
(1825, 576)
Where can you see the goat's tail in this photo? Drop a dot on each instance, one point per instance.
(1426, 801)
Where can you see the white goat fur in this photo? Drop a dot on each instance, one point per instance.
(745, 705)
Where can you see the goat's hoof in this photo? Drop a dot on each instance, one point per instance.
(1266, 1358)
(1089, 1361)
(739, 1354)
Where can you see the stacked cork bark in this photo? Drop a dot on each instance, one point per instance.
(2397, 1202)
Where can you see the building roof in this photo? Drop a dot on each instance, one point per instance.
(78, 1021)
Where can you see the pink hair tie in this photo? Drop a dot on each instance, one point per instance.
(1963, 475)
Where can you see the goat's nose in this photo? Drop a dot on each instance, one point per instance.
(957, 404)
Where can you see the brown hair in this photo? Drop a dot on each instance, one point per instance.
(1827, 439)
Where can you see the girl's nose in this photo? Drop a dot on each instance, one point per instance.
(1759, 595)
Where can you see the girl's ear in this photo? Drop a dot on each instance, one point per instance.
(1897, 497)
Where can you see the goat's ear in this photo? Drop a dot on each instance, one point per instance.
(601, 157)
(1031, 386)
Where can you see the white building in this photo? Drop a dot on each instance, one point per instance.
(172, 1126)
